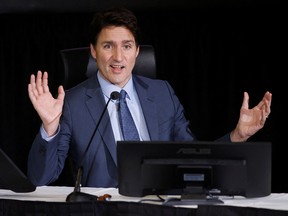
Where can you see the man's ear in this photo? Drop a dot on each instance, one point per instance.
(93, 51)
(137, 51)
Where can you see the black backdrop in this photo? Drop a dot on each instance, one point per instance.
(210, 54)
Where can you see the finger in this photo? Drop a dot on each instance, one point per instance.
(267, 103)
(45, 82)
(32, 80)
(31, 93)
(39, 82)
(263, 118)
(267, 108)
(268, 98)
(32, 86)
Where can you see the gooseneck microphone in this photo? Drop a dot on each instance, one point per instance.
(77, 195)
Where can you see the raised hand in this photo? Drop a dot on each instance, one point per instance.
(48, 108)
(251, 120)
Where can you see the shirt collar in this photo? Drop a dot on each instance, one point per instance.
(108, 88)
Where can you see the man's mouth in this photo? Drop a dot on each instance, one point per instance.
(117, 66)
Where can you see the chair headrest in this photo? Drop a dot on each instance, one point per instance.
(79, 64)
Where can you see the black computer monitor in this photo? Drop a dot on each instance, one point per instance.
(194, 169)
(12, 178)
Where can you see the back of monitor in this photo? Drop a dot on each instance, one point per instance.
(12, 178)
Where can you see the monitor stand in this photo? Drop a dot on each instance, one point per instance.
(194, 196)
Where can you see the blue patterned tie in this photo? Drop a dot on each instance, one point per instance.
(127, 124)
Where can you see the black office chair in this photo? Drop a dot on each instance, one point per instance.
(79, 64)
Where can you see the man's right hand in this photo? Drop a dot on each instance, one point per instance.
(48, 108)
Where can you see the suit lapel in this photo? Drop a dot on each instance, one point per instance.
(148, 106)
(95, 105)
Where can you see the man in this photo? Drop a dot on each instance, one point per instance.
(69, 120)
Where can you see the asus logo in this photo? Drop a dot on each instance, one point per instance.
(194, 151)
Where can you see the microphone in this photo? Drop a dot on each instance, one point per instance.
(77, 195)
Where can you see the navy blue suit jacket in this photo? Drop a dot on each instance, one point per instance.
(83, 106)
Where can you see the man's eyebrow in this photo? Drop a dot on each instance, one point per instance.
(105, 42)
(128, 41)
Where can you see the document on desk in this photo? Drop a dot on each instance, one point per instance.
(275, 201)
(52, 193)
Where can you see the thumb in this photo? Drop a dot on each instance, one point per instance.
(61, 93)
(245, 103)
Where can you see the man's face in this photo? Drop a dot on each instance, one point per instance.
(115, 53)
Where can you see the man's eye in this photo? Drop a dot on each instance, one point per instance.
(127, 46)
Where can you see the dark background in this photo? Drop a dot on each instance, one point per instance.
(210, 52)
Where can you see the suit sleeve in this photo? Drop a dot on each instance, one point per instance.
(45, 161)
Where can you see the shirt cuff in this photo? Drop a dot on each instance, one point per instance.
(45, 135)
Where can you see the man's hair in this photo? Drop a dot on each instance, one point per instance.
(120, 17)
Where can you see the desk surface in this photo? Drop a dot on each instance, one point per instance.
(275, 201)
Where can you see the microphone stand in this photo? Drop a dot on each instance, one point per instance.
(77, 195)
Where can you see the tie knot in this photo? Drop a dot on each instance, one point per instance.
(123, 94)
